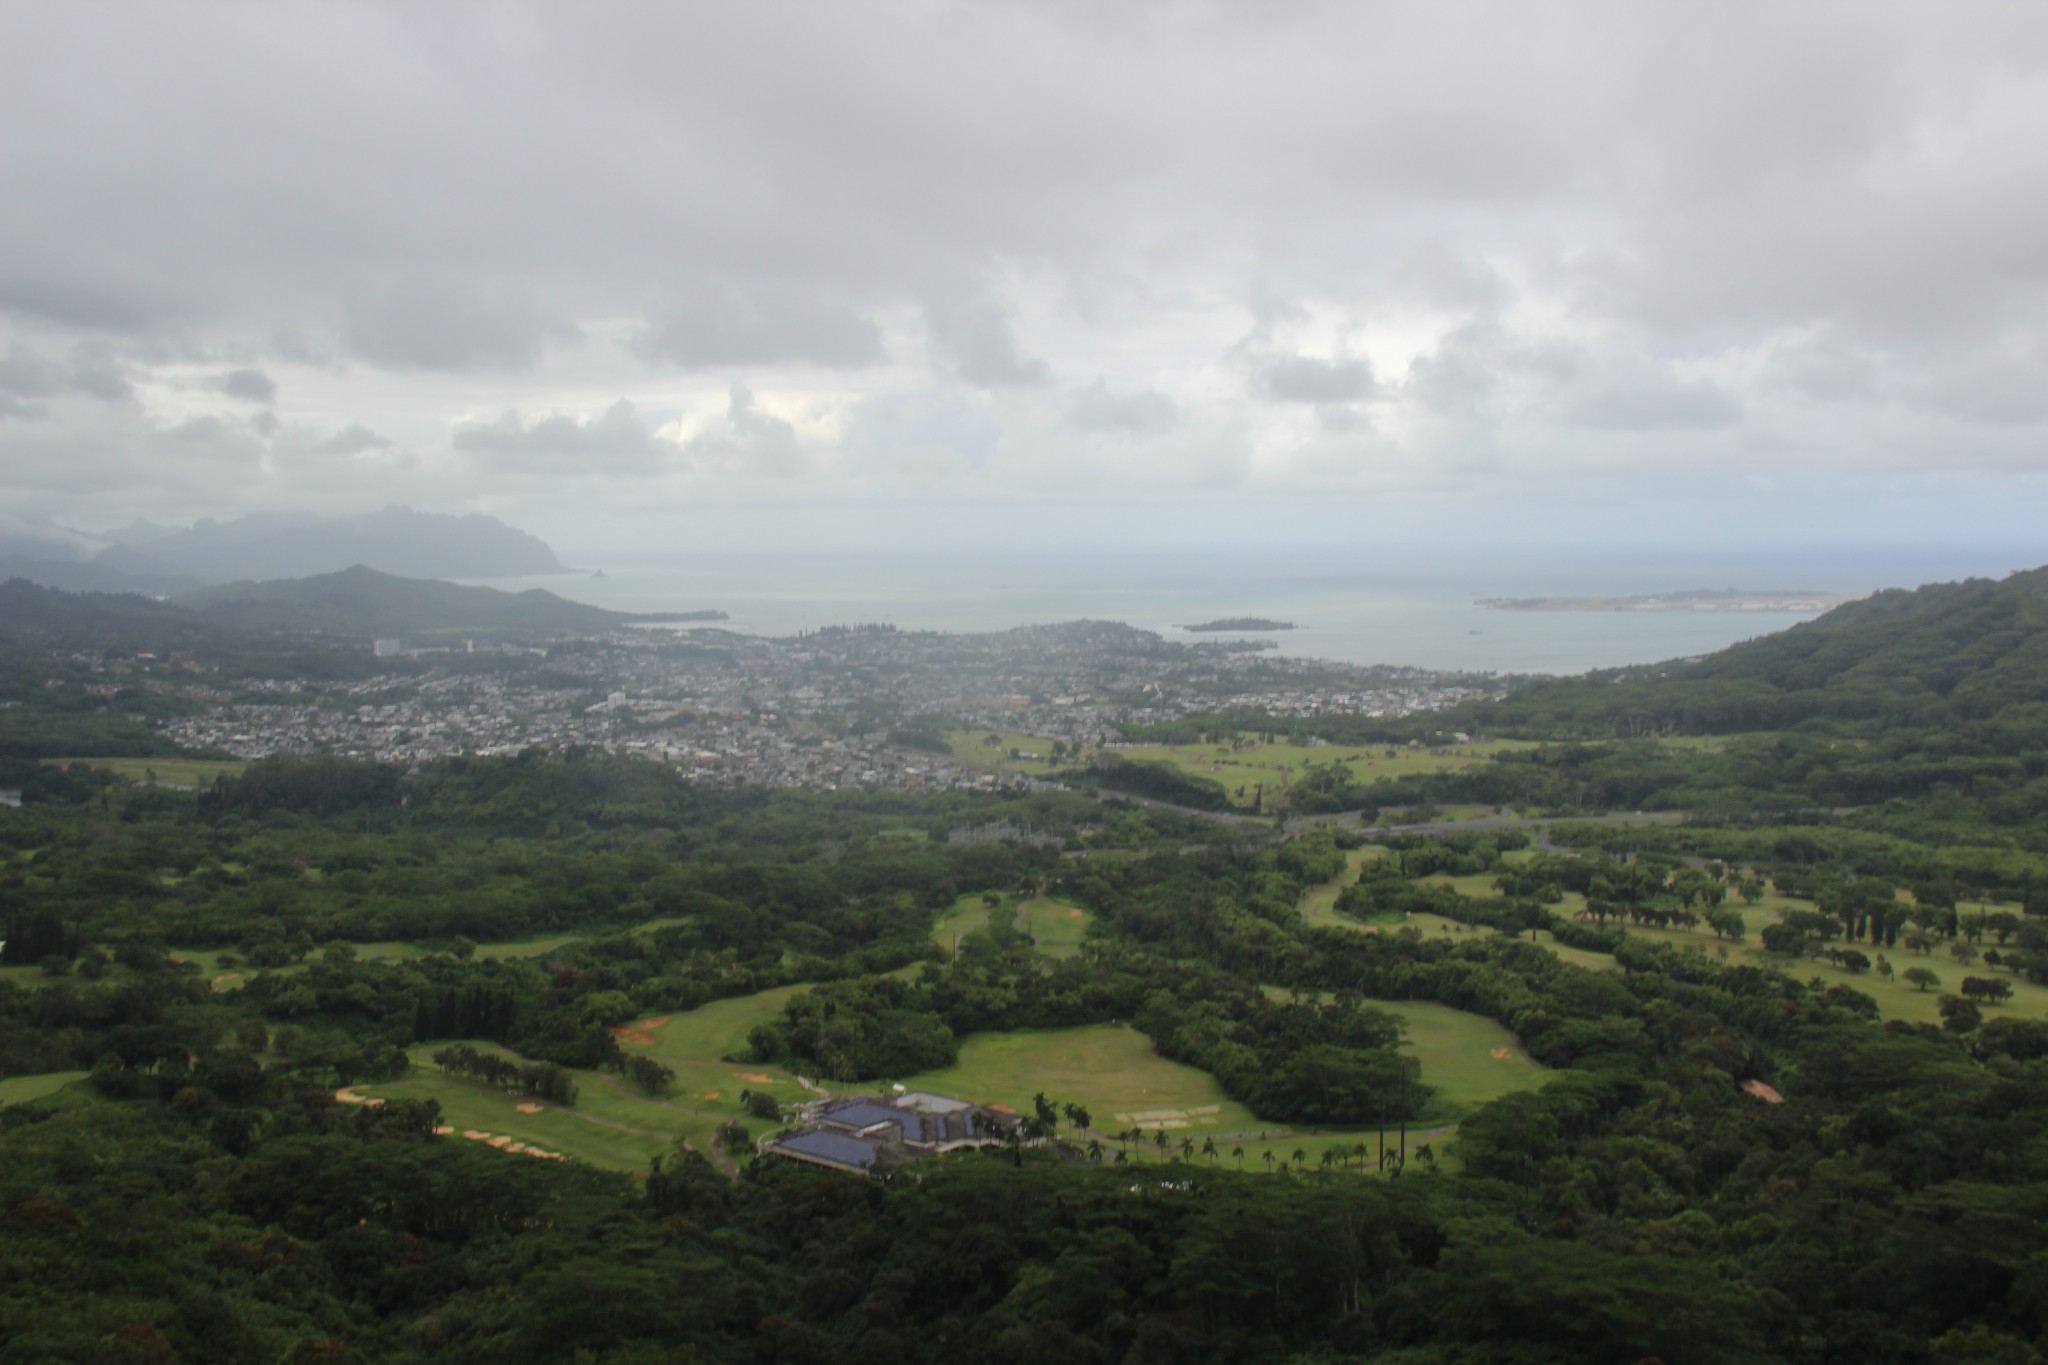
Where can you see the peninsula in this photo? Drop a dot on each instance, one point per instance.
(1722, 599)
(1243, 623)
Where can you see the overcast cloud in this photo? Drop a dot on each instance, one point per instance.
(605, 269)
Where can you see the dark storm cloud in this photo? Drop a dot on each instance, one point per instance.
(251, 386)
(1097, 409)
(353, 439)
(972, 340)
(26, 375)
(1306, 379)
(446, 326)
(1835, 210)
(616, 441)
(737, 324)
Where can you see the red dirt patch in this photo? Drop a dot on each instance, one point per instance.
(640, 1034)
(1501, 1054)
(1000, 1109)
(1762, 1092)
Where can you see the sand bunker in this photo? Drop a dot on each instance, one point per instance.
(1073, 914)
(754, 1078)
(708, 1095)
(531, 1108)
(1501, 1054)
(444, 1130)
(1762, 1092)
(640, 1034)
(505, 1144)
(347, 1095)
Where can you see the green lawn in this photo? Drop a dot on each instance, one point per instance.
(1109, 1069)
(1469, 1058)
(1056, 925)
(175, 772)
(21, 1089)
(540, 945)
(1242, 769)
(612, 1124)
(967, 915)
(1319, 903)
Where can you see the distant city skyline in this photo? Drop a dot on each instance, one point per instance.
(801, 277)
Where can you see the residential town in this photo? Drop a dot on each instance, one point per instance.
(840, 708)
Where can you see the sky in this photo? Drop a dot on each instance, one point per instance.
(799, 276)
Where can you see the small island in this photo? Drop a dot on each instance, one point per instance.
(1243, 623)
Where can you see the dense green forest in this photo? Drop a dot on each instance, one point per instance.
(1742, 1156)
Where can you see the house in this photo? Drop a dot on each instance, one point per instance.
(864, 1134)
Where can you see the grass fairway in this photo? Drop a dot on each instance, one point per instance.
(232, 978)
(612, 1124)
(1108, 1069)
(1469, 1058)
(1896, 999)
(22, 1089)
(967, 915)
(1056, 925)
(1243, 768)
(1248, 766)
(1319, 903)
(170, 772)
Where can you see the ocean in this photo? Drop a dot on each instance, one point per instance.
(1384, 610)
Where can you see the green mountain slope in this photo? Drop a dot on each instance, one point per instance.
(362, 601)
(1942, 655)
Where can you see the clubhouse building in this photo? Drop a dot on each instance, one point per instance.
(865, 1134)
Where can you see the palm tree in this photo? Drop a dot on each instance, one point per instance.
(1095, 1151)
(1269, 1160)
(1237, 1153)
(1187, 1149)
(1209, 1149)
(1300, 1157)
(1329, 1159)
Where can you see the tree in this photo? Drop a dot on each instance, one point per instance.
(1959, 1015)
(1237, 1154)
(1996, 990)
(1921, 977)
(1267, 1157)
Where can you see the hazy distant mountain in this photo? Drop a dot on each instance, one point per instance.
(273, 545)
(101, 575)
(361, 601)
(45, 618)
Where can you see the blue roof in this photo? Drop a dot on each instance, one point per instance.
(832, 1147)
(863, 1114)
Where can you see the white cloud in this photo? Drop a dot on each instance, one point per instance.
(1019, 251)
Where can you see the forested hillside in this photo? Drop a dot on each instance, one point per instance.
(265, 1045)
(1948, 655)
